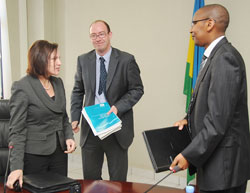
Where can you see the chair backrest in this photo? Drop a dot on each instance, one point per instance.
(4, 122)
(4, 134)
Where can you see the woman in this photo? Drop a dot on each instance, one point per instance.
(39, 126)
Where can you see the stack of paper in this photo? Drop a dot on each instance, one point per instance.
(101, 124)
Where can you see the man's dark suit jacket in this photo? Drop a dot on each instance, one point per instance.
(36, 118)
(124, 88)
(220, 149)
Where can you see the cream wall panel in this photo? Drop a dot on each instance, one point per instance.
(156, 32)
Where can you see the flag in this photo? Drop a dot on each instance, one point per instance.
(194, 57)
(5, 65)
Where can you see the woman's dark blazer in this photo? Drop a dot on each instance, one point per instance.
(36, 118)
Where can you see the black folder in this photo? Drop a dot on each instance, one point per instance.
(49, 183)
(164, 144)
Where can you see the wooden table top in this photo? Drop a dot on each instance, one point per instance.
(103, 186)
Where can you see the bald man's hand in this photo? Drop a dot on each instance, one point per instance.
(181, 161)
(181, 123)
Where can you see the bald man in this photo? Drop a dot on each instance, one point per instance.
(218, 112)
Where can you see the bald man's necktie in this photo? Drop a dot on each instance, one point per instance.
(103, 76)
(202, 62)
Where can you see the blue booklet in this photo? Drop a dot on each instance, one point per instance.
(101, 124)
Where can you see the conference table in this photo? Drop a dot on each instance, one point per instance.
(103, 186)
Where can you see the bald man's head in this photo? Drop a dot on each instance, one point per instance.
(219, 13)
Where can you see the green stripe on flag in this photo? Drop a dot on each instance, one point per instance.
(188, 85)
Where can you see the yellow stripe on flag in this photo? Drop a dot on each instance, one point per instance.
(190, 58)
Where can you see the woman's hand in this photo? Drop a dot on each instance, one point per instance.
(71, 146)
(13, 177)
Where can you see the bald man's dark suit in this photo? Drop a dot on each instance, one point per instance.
(124, 88)
(220, 149)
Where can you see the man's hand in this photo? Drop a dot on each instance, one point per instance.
(113, 109)
(181, 123)
(71, 146)
(13, 177)
(180, 161)
(75, 126)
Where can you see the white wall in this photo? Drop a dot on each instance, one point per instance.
(157, 40)
(156, 32)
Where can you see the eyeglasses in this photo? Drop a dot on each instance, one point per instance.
(100, 35)
(196, 21)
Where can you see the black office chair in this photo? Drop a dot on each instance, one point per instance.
(4, 134)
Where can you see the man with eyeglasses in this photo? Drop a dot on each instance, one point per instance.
(106, 74)
(218, 111)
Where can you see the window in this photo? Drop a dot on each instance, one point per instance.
(1, 68)
(5, 64)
